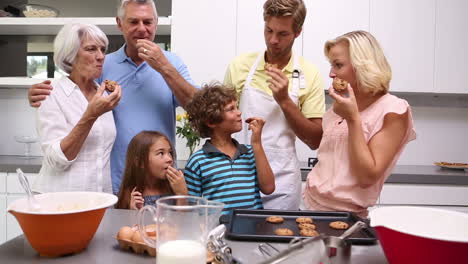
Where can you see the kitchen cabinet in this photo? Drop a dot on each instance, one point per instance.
(13, 229)
(10, 190)
(3, 211)
(424, 194)
(406, 32)
(451, 42)
(204, 36)
(325, 21)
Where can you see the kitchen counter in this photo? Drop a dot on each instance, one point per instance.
(420, 174)
(104, 248)
(27, 165)
(409, 174)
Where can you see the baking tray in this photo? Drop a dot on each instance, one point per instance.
(251, 225)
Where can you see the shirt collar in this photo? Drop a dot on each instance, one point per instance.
(240, 148)
(121, 55)
(68, 85)
(289, 67)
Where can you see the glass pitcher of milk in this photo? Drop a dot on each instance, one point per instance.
(182, 226)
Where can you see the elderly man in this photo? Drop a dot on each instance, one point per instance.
(286, 91)
(154, 82)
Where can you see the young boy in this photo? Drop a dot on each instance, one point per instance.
(224, 170)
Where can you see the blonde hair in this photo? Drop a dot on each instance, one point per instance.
(281, 8)
(373, 73)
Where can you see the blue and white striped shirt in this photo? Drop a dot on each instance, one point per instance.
(215, 176)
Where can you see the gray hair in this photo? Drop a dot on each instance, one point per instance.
(68, 42)
(124, 3)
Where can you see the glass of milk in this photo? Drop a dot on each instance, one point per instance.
(182, 225)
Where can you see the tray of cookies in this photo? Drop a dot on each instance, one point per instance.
(282, 226)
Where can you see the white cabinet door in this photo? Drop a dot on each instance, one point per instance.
(420, 194)
(405, 29)
(204, 36)
(327, 20)
(3, 213)
(12, 226)
(451, 42)
(250, 27)
(3, 176)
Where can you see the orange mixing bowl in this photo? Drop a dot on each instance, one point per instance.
(66, 222)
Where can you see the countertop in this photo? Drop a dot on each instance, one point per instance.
(104, 248)
(408, 174)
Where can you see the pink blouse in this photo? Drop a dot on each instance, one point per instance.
(330, 185)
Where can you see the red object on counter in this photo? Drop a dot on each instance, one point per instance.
(421, 235)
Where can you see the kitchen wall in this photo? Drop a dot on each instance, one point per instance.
(441, 128)
(441, 132)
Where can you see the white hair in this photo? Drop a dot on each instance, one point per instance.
(124, 3)
(68, 42)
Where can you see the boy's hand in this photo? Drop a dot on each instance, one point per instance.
(177, 181)
(256, 125)
(136, 200)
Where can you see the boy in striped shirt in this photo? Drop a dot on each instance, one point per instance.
(224, 170)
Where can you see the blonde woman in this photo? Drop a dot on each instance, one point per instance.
(364, 132)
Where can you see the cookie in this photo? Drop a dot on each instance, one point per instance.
(339, 85)
(339, 225)
(275, 219)
(306, 226)
(270, 65)
(303, 220)
(110, 85)
(283, 232)
(308, 232)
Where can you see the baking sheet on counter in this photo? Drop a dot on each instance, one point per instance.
(251, 225)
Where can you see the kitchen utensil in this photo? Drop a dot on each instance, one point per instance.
(339, 246)
(66, 223)
(32, 202)
(216, 245)
(183, 222)
(251, 225)
(410, 234)
(312, 249)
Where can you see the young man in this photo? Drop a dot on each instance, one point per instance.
(154, 82)
(224, 170)
(286, 91)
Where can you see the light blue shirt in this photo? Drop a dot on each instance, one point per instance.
(147, 103)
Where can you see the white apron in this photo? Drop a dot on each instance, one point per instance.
(278, 140)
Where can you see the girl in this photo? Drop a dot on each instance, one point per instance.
(149, 172)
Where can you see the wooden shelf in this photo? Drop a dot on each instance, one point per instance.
(51, 25)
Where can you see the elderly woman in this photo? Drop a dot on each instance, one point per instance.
(363, 134)
(75, 122)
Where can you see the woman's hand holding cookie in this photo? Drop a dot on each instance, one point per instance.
(345, 104)
(136, 199)
(101, 104)
(177, 181)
